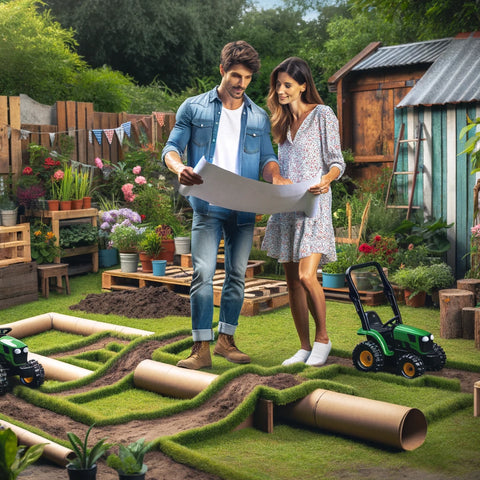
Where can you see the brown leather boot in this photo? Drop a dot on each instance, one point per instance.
(199, 358)
(226, 348)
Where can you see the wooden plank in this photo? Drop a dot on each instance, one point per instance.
(15, 140)
(18, 284)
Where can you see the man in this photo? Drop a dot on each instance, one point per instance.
(230, 131)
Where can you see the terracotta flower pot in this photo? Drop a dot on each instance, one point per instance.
(53, 205)
(65, 204)
(168, 250)
(146, 261)
(416, 301)
(87, 202)
(77, 204)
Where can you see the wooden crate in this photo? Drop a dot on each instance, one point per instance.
(18, 284)
(261, 295)
(15, 244)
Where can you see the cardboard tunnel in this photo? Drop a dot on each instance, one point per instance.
(170, 380)
(67, 323)
(53, 451)
(58, 370)
(381, 422)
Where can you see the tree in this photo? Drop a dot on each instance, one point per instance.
(171, 41)
(431, 18)
(37, 55)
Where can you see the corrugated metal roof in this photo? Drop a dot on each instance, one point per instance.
(406, 54)
(453, 78)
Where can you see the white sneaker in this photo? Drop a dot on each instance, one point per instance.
(301, 356)
(319, 354)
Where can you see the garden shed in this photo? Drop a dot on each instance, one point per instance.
(435, 85)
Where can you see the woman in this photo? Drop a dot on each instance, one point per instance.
(309, 144)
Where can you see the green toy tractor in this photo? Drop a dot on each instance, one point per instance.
(408, 350)
(13, 361)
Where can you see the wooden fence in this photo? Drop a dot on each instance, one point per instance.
(95, 134)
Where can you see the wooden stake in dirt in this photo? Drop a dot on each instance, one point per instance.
(452, 301)
(468, 322)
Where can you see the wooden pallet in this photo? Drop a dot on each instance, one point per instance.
(254, 267)
(261, 295)
(15, 244)
(370, 298)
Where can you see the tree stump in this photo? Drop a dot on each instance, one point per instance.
(452, 301)
(468, 322)
(471, 284)
(477, 328)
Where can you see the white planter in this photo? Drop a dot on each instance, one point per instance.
(182, 245)
(128, 262)
(9, 217)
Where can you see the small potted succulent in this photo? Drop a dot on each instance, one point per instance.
(84, 465)
(129, 461)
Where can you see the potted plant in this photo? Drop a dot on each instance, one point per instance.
(129, 461)
(165, 232)
(80, 187)
(84, 465)
(66, 188)
(415, 282)
(150, 247)
(43, 244)
(441, 277)
(126, 239)
(333, 273)
(15, 458)
(8, 211)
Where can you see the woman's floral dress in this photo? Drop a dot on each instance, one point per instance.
(315, 148)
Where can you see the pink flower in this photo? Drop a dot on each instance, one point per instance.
(27, 171)
(136, 170)
(99, 163)
(58, 175)
(128, 194)
(140, 180)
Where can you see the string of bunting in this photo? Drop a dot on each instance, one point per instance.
(97, 133)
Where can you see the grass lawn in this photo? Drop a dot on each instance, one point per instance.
(451, 449)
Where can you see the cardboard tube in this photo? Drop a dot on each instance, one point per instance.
(58, 370)
(82, 326)
(381, 422)
(53, 451)
(170, 380)
(30, 326)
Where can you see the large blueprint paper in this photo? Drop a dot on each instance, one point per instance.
(228, 190)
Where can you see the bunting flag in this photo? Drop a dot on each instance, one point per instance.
(127, 128)
(120, 134)
(98, 135)
(109, 134)
(160, 118)
(24, 134)
(52, 138)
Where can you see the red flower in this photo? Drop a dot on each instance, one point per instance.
(27, 171)
(50, 162)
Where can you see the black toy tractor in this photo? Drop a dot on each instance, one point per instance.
(13, 361)
(408, 350)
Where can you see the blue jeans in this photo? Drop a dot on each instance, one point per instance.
(206, 235)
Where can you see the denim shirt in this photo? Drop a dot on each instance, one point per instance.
(196, 130)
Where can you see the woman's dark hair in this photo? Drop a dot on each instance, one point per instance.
(239, 52)
(282, 117)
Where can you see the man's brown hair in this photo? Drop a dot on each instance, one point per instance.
(239, 52)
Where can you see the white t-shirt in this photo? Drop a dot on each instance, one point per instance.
(228, 139)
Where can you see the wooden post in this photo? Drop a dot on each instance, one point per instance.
(471, 284)
(452, 301)
(477, 329)
(476, 399)
(468, 322)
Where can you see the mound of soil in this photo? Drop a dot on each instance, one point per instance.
(147, 302)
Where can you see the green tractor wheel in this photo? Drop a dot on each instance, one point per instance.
(38, 377)
(3, 381)
(368, 357)
(410, 365)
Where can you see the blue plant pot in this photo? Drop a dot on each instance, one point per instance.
(333, 280)
(107, 257)
(159, 267)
